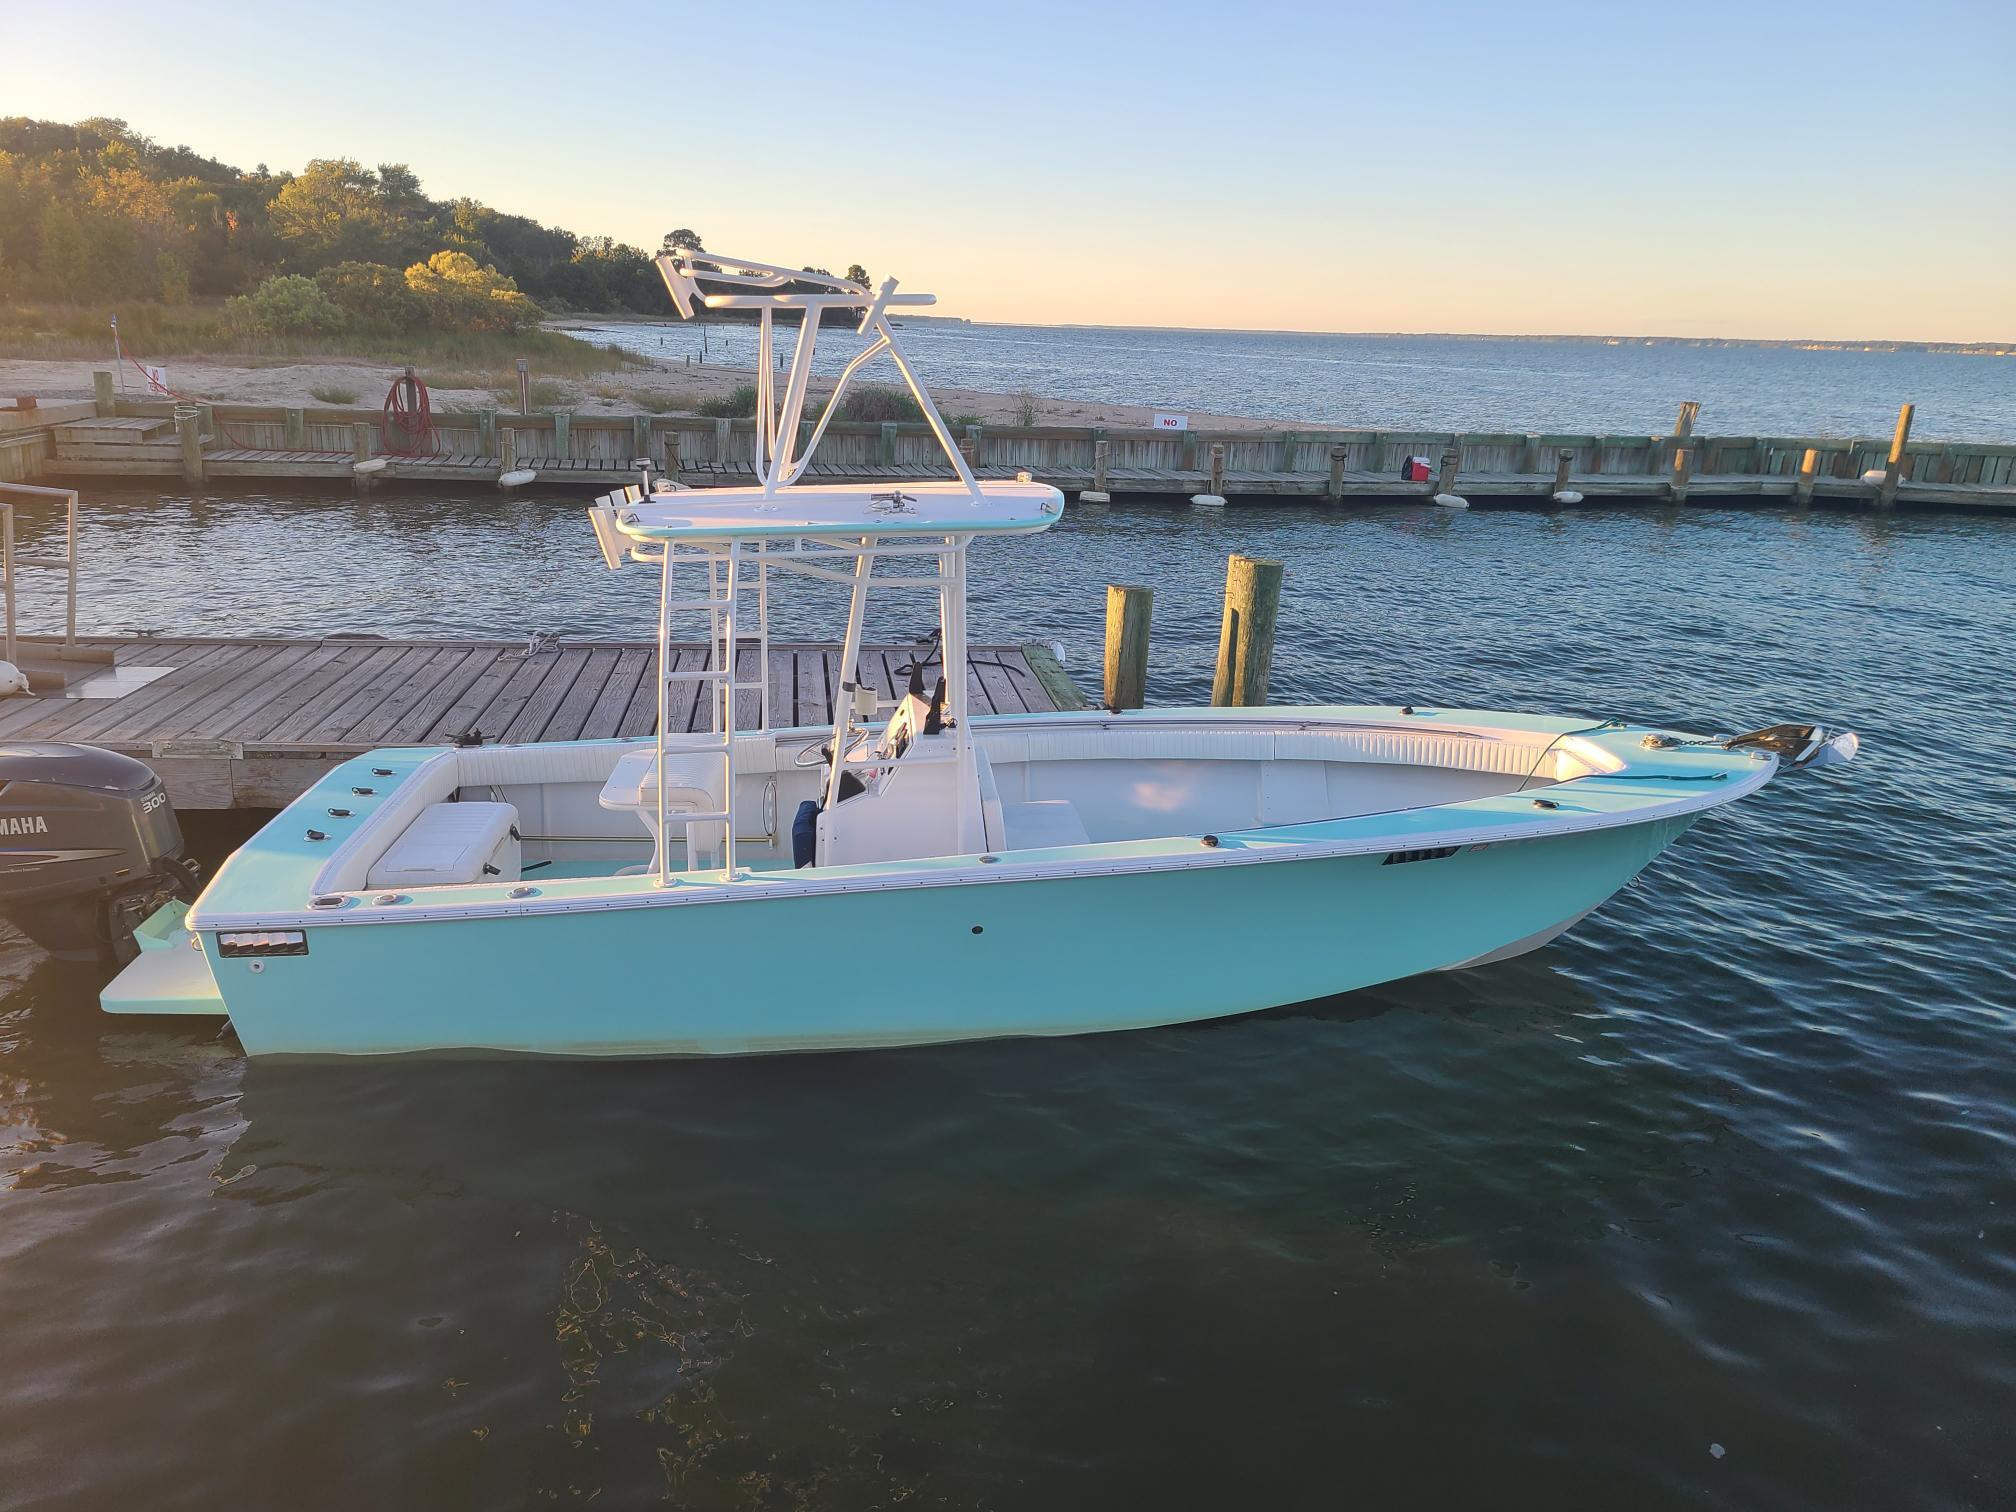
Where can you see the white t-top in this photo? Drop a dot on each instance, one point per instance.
(938, 507)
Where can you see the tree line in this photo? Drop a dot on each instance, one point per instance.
(97, 211)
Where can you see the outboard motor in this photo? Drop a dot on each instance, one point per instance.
(89, 847)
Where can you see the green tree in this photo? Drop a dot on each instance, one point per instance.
(461, 294)
(371, 294)
(287, 304)
(855, 274)
(682, 240)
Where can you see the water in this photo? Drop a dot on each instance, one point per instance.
(1710, 1204)
(1428, 382)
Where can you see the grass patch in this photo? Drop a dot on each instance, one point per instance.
(737, 404)
(333, 393)
(960, 422)
(156, 332)
(659, 402)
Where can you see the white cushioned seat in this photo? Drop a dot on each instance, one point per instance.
(451, 843)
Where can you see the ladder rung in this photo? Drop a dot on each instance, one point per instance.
(21, 559)
(682, 817)
(671, 677)
(699, 603)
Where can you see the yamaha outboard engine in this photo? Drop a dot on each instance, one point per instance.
(89, 847)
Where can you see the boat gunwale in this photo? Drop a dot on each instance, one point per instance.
(1650, 799)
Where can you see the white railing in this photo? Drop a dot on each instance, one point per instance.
(10, 559)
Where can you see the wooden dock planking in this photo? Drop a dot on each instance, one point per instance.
(249, 723)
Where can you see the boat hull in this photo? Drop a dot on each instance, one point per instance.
(854, 970)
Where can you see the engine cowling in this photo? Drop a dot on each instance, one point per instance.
(89, 847)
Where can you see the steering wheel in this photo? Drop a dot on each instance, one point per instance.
(813, 756)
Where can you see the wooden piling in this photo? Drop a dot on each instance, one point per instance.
(1683, 472)
(360, 447)
(294, 430)
(563, 424)
(1886, 493)
(1246, 638)
(507, 448)
(189, 431)
(885, 445)
(486, 433)
(721, 439)
(1218, 468)
(1452, 458)
(1128, 611)
(669, 466)
(1100, 451)
(1809, 468)
(640, 438)
(104, 395)
(1336, 486)
(1564, 464)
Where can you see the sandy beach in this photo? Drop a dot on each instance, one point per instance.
(668, 388)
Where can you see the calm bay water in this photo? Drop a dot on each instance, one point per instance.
(1427, 382)
(1710, 1204)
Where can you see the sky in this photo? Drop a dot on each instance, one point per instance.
(1762, 169)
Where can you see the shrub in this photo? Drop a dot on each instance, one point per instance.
(737, 404)
(877, 405)
(1025, 408)
(333, 393)
(371, 294)
(284, 305)
(960, 422)
(458, 294)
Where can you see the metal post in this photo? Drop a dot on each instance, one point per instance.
(7, 569)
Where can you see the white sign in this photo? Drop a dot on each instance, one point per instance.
(157, 378)
(1172, 422)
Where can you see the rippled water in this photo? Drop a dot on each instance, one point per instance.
(1707, 1205)
(1431, 382)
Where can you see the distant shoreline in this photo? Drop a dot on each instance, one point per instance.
(1793, 344)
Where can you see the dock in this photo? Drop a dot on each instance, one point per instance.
(251, 722)
(112, 438)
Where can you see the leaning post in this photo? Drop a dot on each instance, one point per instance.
(1246, 638)
(1128, 610)
(1886, 493)
(1683, 473)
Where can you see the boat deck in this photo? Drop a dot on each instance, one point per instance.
(251, 722)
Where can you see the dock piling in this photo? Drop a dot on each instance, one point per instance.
(1218, 468)
(189, 432)
(1886, 492)
(563, 426)
(1335, 491)
(1809, 468)
(1452, 459)
(1683, 473)
(669, 463)
(294, 429)
(1564, 464)
(104, 396)
(1128, 611)
(360, 447)
(486, 432)
(640, 436)
(507, 448)
(1246, 638)
(1101, 450)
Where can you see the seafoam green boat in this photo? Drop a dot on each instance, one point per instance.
(908, 874)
